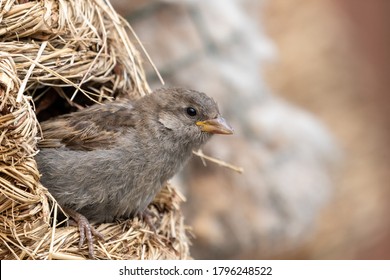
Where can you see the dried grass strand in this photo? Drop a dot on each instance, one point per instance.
(222, 163)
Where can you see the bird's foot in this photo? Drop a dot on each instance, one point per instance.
(86, 231)
(147, 216)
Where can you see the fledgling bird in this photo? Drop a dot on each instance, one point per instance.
(109, 161)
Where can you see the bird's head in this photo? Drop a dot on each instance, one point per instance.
(188, 115)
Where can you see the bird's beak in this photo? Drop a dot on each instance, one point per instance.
(215, 126)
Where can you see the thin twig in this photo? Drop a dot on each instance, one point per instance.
(200, 154)
(29, 72)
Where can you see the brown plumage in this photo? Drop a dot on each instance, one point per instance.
(109, 161)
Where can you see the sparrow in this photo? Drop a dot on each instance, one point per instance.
(108, 161)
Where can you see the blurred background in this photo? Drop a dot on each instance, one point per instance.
(304, 83)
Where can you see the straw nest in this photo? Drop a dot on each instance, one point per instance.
(60, 53)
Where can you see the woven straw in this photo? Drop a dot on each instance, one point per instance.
(80, 51)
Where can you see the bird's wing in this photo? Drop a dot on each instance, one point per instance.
(95, 127)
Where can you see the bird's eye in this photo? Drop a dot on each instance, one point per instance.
(191, 111)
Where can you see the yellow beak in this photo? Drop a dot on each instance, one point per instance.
(215, 126)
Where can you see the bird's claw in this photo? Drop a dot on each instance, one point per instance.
(86, 231)
(147, 216)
